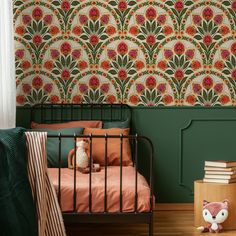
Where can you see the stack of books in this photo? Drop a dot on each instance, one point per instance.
(220, 172)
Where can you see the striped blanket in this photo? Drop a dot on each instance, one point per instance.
(50, 222)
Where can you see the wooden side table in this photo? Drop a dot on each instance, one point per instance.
(214, 192)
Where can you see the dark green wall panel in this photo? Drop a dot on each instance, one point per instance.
(183, 139)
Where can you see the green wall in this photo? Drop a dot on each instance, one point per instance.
(183, 138)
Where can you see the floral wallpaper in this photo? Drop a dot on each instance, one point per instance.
(143, 53)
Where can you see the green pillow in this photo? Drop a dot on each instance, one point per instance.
(53, 145)
(117, 124)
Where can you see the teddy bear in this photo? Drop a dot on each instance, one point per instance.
(82, 157)
(214, 213)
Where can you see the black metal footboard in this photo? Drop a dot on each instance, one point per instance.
(137, 143)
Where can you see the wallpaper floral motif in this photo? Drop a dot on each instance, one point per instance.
(143, 53)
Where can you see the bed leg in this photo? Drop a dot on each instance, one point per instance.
(151, 226)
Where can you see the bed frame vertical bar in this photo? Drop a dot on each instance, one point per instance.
(121, 171)
(136, 172)
(90, 174)
(59, 171)
(106, 163)
(74, 195)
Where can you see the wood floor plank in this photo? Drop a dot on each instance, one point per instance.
(166, 223)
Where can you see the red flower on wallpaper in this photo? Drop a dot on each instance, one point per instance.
(224, 30)
(110, 30)
(94, 39)
(65, 5)
(37, 39)
(94, 13)
(37, 13)
(134, 30)
(191, 30)
(20, 53)
(161, 87)
(151, 13)
(233, 48)
(82, 65)
(133, 53)
(122, 5)
(76, 54)
(111, 53)
(25, 65)
(105, 65)
(105, 88)
(65, 48)
(54, 30)
(54, 99)
(134, 99)
(224, 99)
(207, 13)
(140, 19)
(179, 5)
(197, 88)
(207, 39)
(151, 82)
(225, 54)
(48, 88)
(197, 19)
(218, 88)
(48, 65)
(76, 99)
(191, 99)
(54, 53)
(94, 82)
(233, 74)
(140, 88)
(167, 30)
(139, 65)
(65, 74)
(233, 5)
(167, 99)
(83, 88)
(47, 19)
(219, 65)
(122, 48)
(26, 19)
(105, 19)
(179, 48)
(179, 74)
(20, 99)
(162, 65)
(37, 82)
(122, 74)
(83, 19)
(110, 99)
(77, 30)
(218, 19)
(20, 30)
(190, 54)
(207, 82)
(195, 65)
(26, 88)
(168, 54)
(161, 19)
(151, 39)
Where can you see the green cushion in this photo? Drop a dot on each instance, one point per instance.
(53, 145)
(116, 124)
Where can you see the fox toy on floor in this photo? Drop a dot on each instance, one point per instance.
(214, 213)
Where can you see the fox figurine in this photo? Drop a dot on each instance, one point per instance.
(214, 213)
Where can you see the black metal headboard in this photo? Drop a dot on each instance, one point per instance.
(57, 113)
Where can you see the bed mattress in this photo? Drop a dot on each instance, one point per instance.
(98, 190)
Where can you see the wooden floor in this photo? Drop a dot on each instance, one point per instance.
(167, 223)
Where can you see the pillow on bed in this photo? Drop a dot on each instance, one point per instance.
(116, 124)
(53, 145)
(70, 124)
(113, 147)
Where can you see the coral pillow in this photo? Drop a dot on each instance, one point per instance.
(71, 124)
(113, 146)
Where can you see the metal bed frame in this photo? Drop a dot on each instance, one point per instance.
(57, 113)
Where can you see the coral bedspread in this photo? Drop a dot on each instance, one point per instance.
(98, 186)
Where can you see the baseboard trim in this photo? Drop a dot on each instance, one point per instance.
(174, 207)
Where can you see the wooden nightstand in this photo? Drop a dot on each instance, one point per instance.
(214, 192)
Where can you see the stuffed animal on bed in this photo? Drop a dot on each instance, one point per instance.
(82, 157)
(214, 213)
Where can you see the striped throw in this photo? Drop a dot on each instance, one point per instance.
(50, 222)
